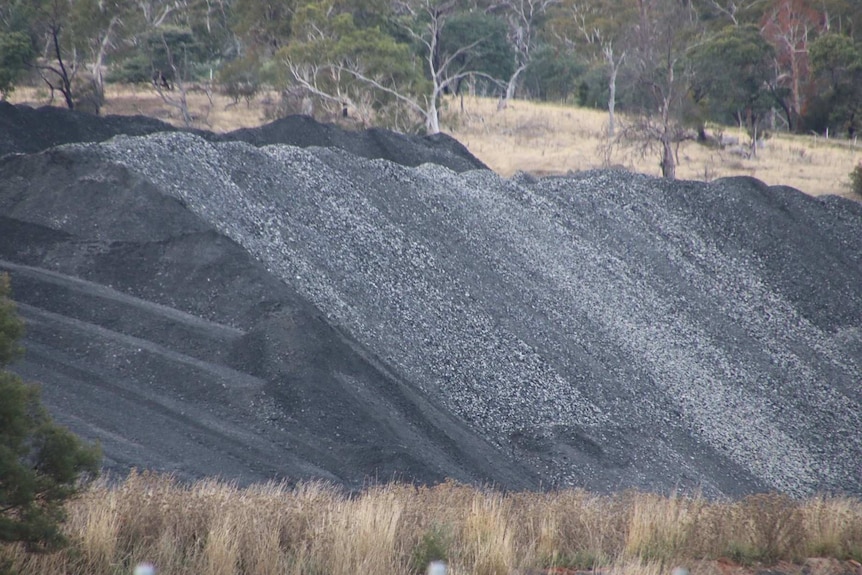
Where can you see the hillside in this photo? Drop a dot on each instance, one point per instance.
(210, 307)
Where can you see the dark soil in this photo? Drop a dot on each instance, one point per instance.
(255, 311)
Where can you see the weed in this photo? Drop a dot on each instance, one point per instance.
(433, 546)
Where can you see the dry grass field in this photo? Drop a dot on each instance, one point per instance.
(551, 139)
(211, 528)
(538, 138)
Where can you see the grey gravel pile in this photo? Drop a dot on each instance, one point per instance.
(605, 330)
(661, 323)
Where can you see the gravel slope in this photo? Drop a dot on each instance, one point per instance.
(342, 316)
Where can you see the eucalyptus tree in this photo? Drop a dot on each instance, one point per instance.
(602, 30)
(733, 78)
(660, 46)
(524, 19)
(836, 63)
(405, 60)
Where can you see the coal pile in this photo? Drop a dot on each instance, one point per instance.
(222, 308)
(27, 130)
(374, 143)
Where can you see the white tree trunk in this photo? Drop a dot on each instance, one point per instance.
(612, 101)
(432, 117)
(512, 85)
(613, 68)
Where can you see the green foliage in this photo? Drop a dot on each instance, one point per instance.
(174, 48)
(329, 42)
(491, 54)
(731, 78)
(837, 73)
(264, 27)
(11, 327)
(176, 51)
(593, 87)
(856, 180)
(435, 545)
(15, 52)
(41, 463)
(240, 79)
(553, 75)
(135, 69)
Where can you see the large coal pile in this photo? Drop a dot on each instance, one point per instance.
(24, 130)
(28, 130)
(217, 307)
(374, 143)
(173, 346)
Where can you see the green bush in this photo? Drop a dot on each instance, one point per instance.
(434, 546)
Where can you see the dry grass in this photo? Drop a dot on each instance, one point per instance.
(211, 528)
(210, 110)
(551, 139)
(539, 138)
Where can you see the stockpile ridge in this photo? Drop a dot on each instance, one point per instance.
(605, 329)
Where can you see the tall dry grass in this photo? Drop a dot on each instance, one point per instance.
(213, 528)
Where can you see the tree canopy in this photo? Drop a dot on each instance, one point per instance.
(390, 61)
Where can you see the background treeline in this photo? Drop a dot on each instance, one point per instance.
(764, 64)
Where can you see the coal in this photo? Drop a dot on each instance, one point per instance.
(374, 143)
(259, 311)
(28, 130)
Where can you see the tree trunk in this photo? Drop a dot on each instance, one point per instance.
(99, 60)
(63, 73)
(432, 117)
(513, 83)
(613, 68)
(668, 164)
(612, 101)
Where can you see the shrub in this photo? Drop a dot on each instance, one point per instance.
(434, 546)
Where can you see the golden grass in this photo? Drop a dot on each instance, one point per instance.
(543, 138)
(210, 111)
(212, 528)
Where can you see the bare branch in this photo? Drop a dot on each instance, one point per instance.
(372, 82)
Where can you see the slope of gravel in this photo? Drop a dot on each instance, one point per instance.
(178, 351)
(27, 130)
(605, 330)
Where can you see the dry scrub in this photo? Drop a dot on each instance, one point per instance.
(211, 528)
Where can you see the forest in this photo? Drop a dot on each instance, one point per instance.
(671, 65)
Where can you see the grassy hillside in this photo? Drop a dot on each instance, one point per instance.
(550, 139)
(541, 139)
(211, 528)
